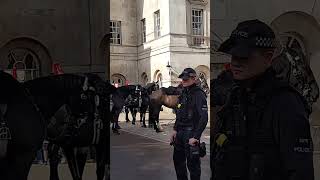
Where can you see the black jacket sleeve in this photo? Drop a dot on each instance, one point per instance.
(175, 125)
(292, 131)
(202, 109)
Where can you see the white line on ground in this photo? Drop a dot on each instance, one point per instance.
(166, 142)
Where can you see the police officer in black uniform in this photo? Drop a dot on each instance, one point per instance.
(191, 120)
(262, 132)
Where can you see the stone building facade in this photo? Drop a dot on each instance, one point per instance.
(36, 35)
(147, 36)
(297, 24)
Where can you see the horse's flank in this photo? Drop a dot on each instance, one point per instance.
(160, 97)
(170, 101)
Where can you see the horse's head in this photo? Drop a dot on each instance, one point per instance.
(76, 91)
(101, 87)
(152, 87)
(156, 86)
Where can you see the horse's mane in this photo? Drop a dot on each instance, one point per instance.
(58, 84)
(171, 90)
(149, 85)
(124, 91)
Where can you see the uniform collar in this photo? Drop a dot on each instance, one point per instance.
(260, 82)
(193, 86)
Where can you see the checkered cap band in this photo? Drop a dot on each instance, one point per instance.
(265, 42)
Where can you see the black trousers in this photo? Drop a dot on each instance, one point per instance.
(182, 158)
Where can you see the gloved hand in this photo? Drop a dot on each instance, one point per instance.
(193, 141)
(173, 137)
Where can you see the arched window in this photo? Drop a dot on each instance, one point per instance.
(202, 75)
(25, 62)
(118, 79)
(144, 78)
(293, 40)
(159, 79)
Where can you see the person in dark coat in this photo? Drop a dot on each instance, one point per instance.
(262, 132)
(191, 121)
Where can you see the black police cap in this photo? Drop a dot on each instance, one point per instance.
(248, 36)
(187, 73)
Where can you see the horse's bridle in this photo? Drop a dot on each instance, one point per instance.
(97, 123)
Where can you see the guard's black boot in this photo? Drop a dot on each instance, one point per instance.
(117, 126)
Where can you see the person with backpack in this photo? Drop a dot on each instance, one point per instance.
(191, 121)
(262, 131)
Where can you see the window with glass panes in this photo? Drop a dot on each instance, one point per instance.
(143, 30)
(25, 62)
(157, 24)
(115, 30)
(197, 21)
(197, 26)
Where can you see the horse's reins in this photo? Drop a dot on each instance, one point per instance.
(97, 122)
(4, 130)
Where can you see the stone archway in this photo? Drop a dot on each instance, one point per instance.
(144, 78)
(158, 77)
(298, 30)
(293, 40)
(30, 58)
(203, 71)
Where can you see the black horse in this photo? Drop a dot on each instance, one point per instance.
(22, 130)
(146, 92)
(143, 105)
(83, 102)
(133, 104)
(118, 100)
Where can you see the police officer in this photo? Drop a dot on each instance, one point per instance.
(262, 132)
(191, 120)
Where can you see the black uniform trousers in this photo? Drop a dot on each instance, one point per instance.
(182, 158)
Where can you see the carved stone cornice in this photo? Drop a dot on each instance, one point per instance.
(199, 2)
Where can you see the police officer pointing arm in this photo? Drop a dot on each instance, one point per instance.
(191, 120)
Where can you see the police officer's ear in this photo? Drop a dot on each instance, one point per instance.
(268, 56)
